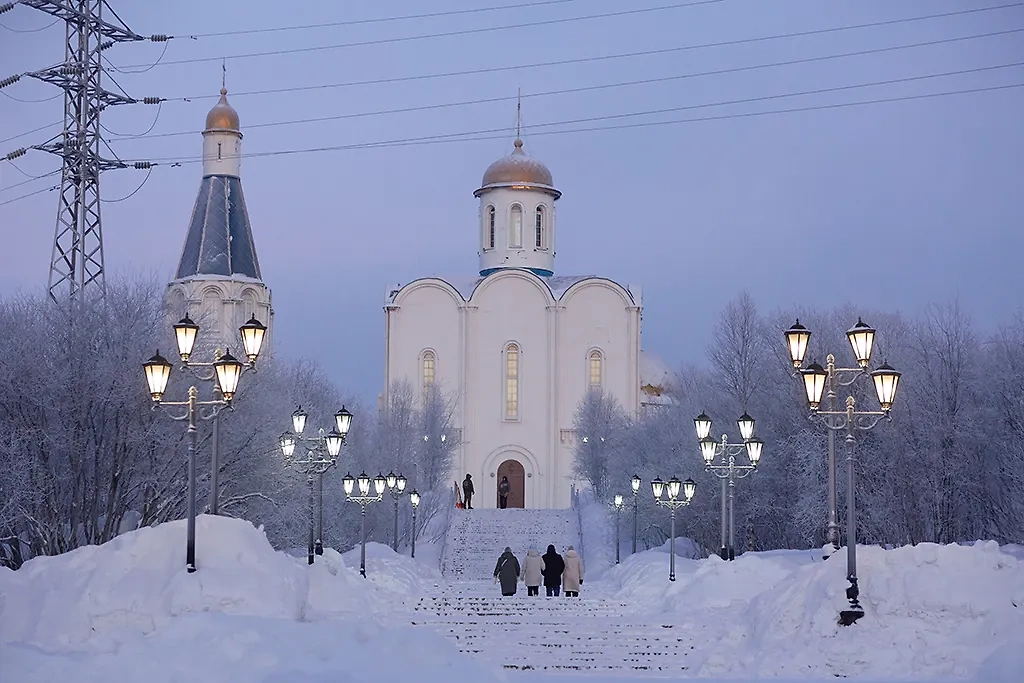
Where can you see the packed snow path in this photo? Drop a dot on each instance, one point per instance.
(589, 633)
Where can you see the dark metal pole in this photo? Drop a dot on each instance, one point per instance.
(732, 526)
(362, 548)
(312, 518)
(833, 513)
(672, 548)
(215, 466)
(318, 547)
(394, 545)
(413, 554)
(634, 524)
(190, 549)
(847, 617)
(723, 552)
(617, 535)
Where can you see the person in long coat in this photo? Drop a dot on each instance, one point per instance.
(533, 568)
(467, 491)
(572, 577)
(507, 571)
(553, 567)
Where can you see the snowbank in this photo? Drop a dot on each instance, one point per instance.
(396, 575)
(931, 611)
(250, 613)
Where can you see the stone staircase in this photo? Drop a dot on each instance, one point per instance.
(592, 633)
(477, 537)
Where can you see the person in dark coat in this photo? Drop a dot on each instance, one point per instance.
(507, 571)
(467, 491)
(503, 490)
(554, 565)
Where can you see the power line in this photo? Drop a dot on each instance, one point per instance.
(30, 194)
(603, 86)
(444, 34)
(504, 132)
(29, 132)
(30, 180)
(380, 20)
(599, 58)
(472, 136)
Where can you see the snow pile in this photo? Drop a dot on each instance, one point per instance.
(249, 613)
(396, 575)
(931, 611)
(598, 531)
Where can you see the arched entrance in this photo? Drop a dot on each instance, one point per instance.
(512, 469)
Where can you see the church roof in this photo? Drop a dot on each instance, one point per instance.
(223, 116)
(466, 286)
(219, 240)
(518, 170)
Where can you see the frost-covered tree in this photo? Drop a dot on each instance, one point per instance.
(599, 423)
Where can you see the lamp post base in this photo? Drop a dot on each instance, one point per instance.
(849, 616)
(723, 553)
(828, 550)
(319, 548)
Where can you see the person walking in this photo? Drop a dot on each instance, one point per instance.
(533, 568)
(467, 490)
(572, 577)
(552, 570)
(503, 489)
(507, 572)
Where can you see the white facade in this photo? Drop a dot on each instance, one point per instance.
(517, 346)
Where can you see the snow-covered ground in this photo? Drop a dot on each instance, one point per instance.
(127, 610)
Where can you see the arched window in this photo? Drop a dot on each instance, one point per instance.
(512, 382)
(594, 369)
(539, 237)
(515, 228)
(429, 362)
(489, 228)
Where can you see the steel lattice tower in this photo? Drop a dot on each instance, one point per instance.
(76, 263)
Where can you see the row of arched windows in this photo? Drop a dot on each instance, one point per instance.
(516, 227)
(511, 354)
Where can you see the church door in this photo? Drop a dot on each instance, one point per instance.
(517, 483)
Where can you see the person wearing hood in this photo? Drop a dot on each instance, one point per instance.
(507, 571)
(552, 568)
(467, 491)
(533, 568)
(572, 577)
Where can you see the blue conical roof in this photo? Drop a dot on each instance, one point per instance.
(219, 240)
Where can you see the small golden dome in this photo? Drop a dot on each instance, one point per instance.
(223, 116)
(518, 169)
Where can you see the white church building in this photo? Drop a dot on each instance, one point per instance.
(519, 345)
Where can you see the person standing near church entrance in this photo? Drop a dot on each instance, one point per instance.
(467, 491)
(503, 490)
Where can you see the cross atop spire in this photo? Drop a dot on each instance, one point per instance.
(519, 113)
(224, 75)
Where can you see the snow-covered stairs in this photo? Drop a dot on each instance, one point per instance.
(591, 633)
(477, 537)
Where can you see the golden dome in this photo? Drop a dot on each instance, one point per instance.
(223, 116)
(517, 169)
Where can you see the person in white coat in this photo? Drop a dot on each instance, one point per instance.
(572, 577)
(533, 568)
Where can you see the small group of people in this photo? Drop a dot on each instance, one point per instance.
(504, 488)
(554, 571)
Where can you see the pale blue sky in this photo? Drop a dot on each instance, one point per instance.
(909, 202)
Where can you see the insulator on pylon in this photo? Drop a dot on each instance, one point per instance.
(68, 70)
(6, 7)
(15, 154)
(106, 44)
(159, 38)
(143, 164)
(10, 80)
(152, 100)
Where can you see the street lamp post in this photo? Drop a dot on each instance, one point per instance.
(322, 453)
(158, 371)
(635, 485)
(414, 500)
(728, 471)
(618, 508)
(817, 380)
(185, 334)
(363, 499)
(673, 503)
(396, 487)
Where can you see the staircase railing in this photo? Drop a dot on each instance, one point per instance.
(449, 514)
